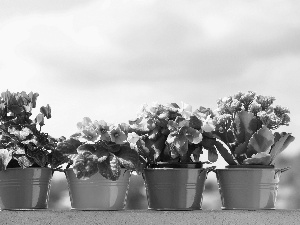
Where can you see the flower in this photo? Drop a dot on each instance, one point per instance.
(103, 130)
(208, 125)
(117, 135)
(133, 137)
(172, 133)
(185, 110)
(20, 134)
(100, 147)
(90, 130)
(244, 125)
(22, 143)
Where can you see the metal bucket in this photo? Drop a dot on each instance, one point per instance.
(97, 192)
(25, 189)
(174, 188)
(248, 188)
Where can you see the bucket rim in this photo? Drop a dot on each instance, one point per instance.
(173, 169)
(71, 169)
(246, 169)
(28, 168)
(195, 165)
(250, 166)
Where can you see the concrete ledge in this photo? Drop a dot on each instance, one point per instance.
(151, 217)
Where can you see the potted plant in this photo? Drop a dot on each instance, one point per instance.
(247, 140)
(169, 140)
(99, 161)
(25, 153)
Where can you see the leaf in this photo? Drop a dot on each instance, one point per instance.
(175, 105)
(195, 122)
(277, 136)
(208, 142)
(196, 153)
(261, 158)
(212, 154)
(182, 122)
(226, 136)
(194, 136)
(261, 141)
(241, 149)
(16, 109)
(69, 146)
(85, 165)
(24, 162)
(21, 100)
(178, 139)
(101, 153)
(6, 95)
(109, 146)
(183, 149)
(86, 148)
(110, 168)
(28, 108)
(225, 153)
(154, 134)
(281, 144)
(46, 111)
(128, 158)
(56, 159)
(39, 156)
(144, 151)
(245, 125)
(156, 147)
(2, 106)
(5, 157)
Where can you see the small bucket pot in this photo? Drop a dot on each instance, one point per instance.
(25, 189)
(97, 192)
(248, 188)
(174, 188)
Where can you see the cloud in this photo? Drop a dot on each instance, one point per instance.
(105, 58)
(17, 8)
(132, 40)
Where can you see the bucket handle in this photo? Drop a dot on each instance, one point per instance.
(278, 172)
(209, 169)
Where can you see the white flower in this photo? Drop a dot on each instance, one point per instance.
(208, 125)
(133, 138)
(186, 110)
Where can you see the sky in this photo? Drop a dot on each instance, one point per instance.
(104, 59)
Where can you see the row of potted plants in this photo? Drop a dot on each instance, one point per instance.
(164, 144)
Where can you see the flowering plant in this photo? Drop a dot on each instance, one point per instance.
(244, 125)
(99, 147)
(169, 133)
(22, 144)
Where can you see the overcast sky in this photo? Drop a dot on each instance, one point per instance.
(103, 59)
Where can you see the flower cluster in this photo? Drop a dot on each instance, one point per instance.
(260, 106)
(169, 133)
(243, 124)
(22, 144)
(99, 147)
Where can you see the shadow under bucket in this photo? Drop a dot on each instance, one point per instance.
(25, 189)
(248, 188)
(174, 188)
(97, 192)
